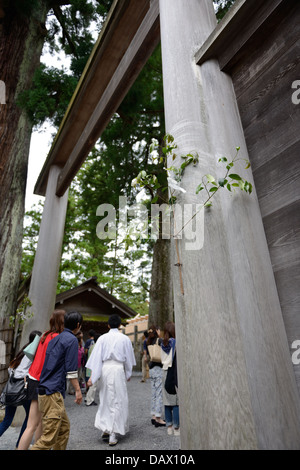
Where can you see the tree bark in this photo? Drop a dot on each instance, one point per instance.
(21, 42)
(161, 305)
(161, 292)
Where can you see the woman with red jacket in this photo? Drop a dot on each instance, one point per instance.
(34, 424)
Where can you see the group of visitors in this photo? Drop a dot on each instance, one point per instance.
(161, 399)
(54, 362)
(61, 363)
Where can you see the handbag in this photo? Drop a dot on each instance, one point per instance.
(171, 383)
(14, 392)
(30, 350)
(154, 352)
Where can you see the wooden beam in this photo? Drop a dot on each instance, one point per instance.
(141, 47)
(235, 30)
(117, 34)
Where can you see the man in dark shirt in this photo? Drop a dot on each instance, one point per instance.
(61, 362)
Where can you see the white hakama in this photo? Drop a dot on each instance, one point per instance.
(112, 414)
(111, 361)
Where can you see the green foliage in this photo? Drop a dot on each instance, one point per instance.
(230, 180)
(222, 7)
(49, 96)
(69, 31)
(209, 183)
(21, 314)
(32, 223)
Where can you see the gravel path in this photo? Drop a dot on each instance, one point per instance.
(84, 436)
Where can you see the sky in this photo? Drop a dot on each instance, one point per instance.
(39, 146)
(41, 140)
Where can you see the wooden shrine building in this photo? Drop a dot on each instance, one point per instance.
(95, 305)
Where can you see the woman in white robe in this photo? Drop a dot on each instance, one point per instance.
(111, 361)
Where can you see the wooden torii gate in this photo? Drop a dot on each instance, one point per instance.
(237, 388)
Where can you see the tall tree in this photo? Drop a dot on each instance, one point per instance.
(22, 36)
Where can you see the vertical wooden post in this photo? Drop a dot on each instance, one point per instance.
(43, 283)
(236, 384)
(135, 335)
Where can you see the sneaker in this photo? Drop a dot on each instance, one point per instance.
(112, 439)
(176, 431)
(170, 430)
(105, 436)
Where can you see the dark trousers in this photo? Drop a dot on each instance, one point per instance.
(10, 412)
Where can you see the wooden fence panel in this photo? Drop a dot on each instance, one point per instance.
(6, 345)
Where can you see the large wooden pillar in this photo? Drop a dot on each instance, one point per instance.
(43, 283)
(236, 384)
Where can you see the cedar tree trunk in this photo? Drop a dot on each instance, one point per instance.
(21, 41)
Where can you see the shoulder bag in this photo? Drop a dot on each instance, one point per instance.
(14, 392)
(30, 350)
(171, 383)
(154, 352)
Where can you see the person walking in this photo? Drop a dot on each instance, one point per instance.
(81, 362)
(88, 344)
(111, 361)
(60, 364)
(19, 366)
(34, 423)
(145, 369)
(170, 401)
(155, 373)
(91, 392)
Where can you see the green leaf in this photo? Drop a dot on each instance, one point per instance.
(213, 190)
(210, 178)
(248, 187)
(186, 163)
(222, 182)
(199, 188)
(208, 204)
(235, 177)
(169, 138)
(152, 147)
(223, 159)
(228, 187)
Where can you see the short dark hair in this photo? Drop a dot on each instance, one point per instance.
(72, 319)
(114, 321)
